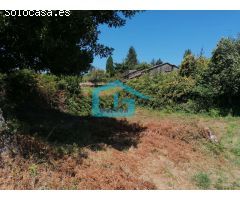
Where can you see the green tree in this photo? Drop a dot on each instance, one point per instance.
(61, 45)
(223, 73)
(159, 62)
(119, 67)
(110, 66)
(200, 68)
(131, 60)
(187, 66)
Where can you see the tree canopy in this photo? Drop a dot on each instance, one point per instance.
(61, 45)
(223, 74)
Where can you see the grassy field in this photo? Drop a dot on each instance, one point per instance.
(152, 150)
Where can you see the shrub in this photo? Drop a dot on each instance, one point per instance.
(79, 105)
(166, 90)
(71, 84)
(20, 85)
(26, 89)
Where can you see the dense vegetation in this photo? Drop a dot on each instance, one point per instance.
(201, 85)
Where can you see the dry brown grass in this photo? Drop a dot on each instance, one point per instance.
(167, 154)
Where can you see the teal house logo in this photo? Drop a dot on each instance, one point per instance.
(116, 112)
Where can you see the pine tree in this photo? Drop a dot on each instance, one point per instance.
(110, 66)
(159, 62)
(131, 60)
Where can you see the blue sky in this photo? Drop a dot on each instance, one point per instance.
(167, 34)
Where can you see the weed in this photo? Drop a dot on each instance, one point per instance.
(33, 170)
(202, 180)
(214, 112)
(236, 151)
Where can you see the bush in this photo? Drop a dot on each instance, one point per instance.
(25, 89)
(79, 105)
(70, 83)
(20, 85)
(166, 90)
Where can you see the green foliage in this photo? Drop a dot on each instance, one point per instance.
(193, 66)
(187, 66)
(79, 105)
(131, 60)
(187, 52)
(20, 86)
(131, 63)
(201, 66)
(166, 90)
(222, 78)
(214, 112)
(142, 66)
(110, 66)
(95, 76)
(202, 180)
(201, 85)
(61, 45)
(70, 83)
(24, 90)
(236, 150)
(33, 170)
(119, 67)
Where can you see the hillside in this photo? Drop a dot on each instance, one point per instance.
(152, 150)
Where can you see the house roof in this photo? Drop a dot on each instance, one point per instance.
(156, 66)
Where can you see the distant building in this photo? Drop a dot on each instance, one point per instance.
(165, 68)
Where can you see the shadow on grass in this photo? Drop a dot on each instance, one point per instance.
(62, 128)
(32, 107)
